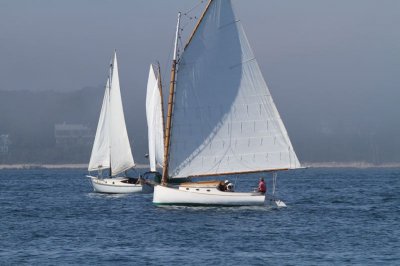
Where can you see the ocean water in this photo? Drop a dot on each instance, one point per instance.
(334, 217)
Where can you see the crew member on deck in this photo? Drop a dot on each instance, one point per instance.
(262, 188)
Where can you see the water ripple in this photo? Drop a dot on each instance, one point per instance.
(334, 216)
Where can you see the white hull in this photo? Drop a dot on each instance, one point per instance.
(116, 186)
(204, 196)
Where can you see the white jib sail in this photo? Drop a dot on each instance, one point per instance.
(224, 119)
(100, 158)
(154, 121)
(121, 154)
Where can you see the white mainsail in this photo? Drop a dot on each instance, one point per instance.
(112, 137)
(155, 125)
(224, 119)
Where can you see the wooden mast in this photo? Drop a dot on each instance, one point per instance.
(170, 106)
(172, 92)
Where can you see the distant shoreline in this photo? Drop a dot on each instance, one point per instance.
(30, 166)
(360, 165)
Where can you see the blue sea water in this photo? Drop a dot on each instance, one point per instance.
(334, 217)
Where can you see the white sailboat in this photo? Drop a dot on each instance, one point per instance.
(155, 119)
(111, 153)
(221, 118)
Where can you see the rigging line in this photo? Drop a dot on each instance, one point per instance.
(187, 23)
(193, 8)
(190, 19)
(166, 70)
(274, 182)
(179, 47)
(235, 182)
(184, 26)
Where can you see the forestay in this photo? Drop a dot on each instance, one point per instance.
(154, 121)
(112, 137)
(224, 118)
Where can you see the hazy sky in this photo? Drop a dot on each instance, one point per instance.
(330, 64)
(66, 45)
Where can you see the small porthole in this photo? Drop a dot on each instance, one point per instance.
(197, 189)
(208, 190)
(113, 183)
(187, 188)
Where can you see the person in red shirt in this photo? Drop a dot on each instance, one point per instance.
(262, 188)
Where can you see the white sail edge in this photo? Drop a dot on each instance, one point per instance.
(121, 154)
(154, 121)
(151, 83)
(100, 156)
